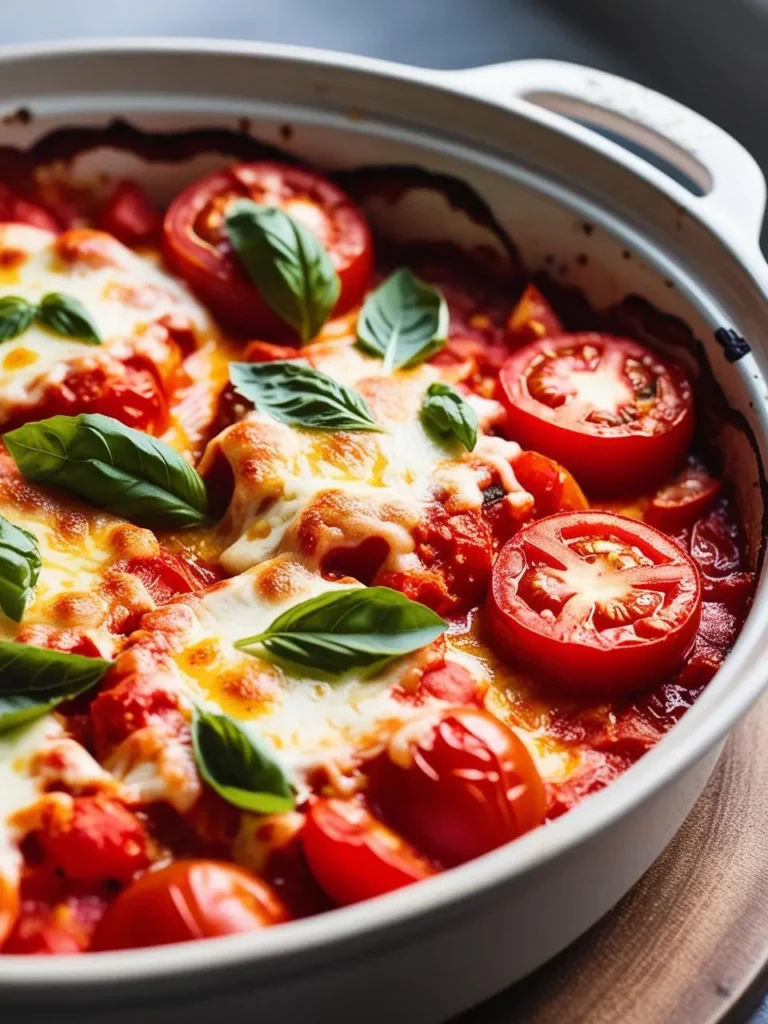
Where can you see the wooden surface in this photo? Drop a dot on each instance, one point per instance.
(689, 944)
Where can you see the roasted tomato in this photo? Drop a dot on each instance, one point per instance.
(133, 396)
(130, 216)
(615, 414)
(353, 856)
(685, 499)
(9, 907)
(95, 839)
(166, 575)
(594, 602)
(196, 244)
(62, 927)
(552, 486)
(532, 318)
(458, 787)
(17, 210)
(189, 899)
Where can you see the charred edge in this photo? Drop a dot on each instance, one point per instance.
(392, 181)
(732, 343)
(493, 494)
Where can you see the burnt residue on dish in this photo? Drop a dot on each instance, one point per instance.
(732, 343)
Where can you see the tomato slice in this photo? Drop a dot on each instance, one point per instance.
(458, 787)
(685, 499)
(617, 415)
(594, 600)
(353, 856)
(196, 244)
(130, 216)
(532, 318)
(189, 899)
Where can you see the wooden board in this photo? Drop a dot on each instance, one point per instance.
(689, 944)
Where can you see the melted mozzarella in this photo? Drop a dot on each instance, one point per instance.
(124, 294)
(376, 483)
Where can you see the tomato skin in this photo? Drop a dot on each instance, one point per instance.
(54, 929)
(354, 857)
(685, 499)
(637, 440)
(572, 615)
(460, 787)
(132, 704)
(554, 489)
(131, 395)
(195, 242)
(452, 683)
(532, 318)
(16, 210)
(187, 900)
(96, 840)
(129, 216)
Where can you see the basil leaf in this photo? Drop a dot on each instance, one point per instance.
(447, 413)
(404, 321)
(19, 568)
(16, 314)
(33, 680)
(297, 394)
(236, 765)
(111, 466)
(286, 262)
(349, 629)
(64, 314)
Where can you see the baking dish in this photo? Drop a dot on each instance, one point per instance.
(431, 951)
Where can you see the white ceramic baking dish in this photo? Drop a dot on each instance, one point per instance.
(429, 951)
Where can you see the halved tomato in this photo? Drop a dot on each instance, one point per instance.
(594, 602)
(196, 244)
(189, 899)
(617, 415)
(459, 786)
(353, 856)
(553, 488)
(16, 209)
(130, 216)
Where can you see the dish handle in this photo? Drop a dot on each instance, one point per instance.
(733, 186)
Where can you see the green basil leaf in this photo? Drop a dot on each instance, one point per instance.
(64, 314)
(447, 413)
(404, 321)
(111, 466)
(299, 395)
(33, 680)
(16, 314)
(286, 262)
(238, 767)
(19, 568)
(348, 629)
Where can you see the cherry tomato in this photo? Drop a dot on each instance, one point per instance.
(94, 840)
(196, 244)
(460, 786)
(353, 856)
(17, 210)
(132, 704)
(552, 486)
(68, 641)
(188, 899)
(129, 216)
(595, 601)
(133, 396)
(685, 499)
(532, 318)
(166, 575)
(615, 414)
